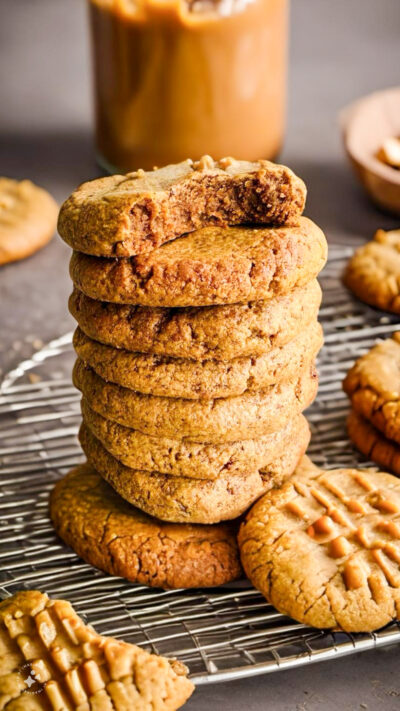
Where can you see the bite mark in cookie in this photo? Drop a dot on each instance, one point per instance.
(125, 215)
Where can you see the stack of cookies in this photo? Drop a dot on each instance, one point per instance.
(196, 340)
(373, 386)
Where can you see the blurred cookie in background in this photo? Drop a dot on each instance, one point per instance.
(373, 272)
(28, 219)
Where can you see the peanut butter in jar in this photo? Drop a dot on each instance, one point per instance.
(183, 78)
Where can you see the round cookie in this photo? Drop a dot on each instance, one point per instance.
(112, 535)
(373, 386)
(324, 548)
(214, 421)
(197, 460)
(210, 266)
(216, 332)
(123, 215)
(185, 500)
(28, 219)
(373, 444)
(373, 273)
(183, 378)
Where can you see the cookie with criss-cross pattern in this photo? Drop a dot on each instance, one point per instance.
(325, 548)
(373, 386)
(118, 538)
(51, 660)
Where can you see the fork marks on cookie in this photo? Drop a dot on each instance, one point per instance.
(347, 520)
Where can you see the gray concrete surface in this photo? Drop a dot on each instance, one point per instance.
(339, 50)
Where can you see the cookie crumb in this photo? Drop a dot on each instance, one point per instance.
(34, 378)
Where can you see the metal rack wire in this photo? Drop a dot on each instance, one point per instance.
(222, 633)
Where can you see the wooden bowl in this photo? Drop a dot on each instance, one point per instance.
(366, 124)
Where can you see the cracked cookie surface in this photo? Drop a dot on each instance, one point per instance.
(373, 273)
(124, 215)
(324, 548)
(198, 460)
(184, 378)
(246, 416)
(209, 332)
(373, 386)
(51, 660)
(183, 499)
(210, 266)
(121, 540)
(28, 219)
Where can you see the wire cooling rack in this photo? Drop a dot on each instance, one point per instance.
(223, 633)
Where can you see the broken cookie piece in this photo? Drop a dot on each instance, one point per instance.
(50, 660)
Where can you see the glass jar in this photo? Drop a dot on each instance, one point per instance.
(177, 79)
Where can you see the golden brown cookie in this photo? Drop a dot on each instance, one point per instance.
(186, 500)
(246, 416)
(28, 219)
(373, 444)
(214, 265)
(112, 535)
(217, 332)
(51, 660)
(373, 273)
(373, 386)
(324, 548)
(184, 378)
(124, 215)
(192, 459)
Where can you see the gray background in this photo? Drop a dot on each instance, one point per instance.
(340, 50)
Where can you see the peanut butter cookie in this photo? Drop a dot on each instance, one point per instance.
(373, 386)
(216, 332)
(193, 459)
(28, 219)
(373, 444)
(124, 215)
(373, 273)
(185, 500)
(183, 378)
(214, 265)
(246, 416)
(51, 660)
(112, 535)
(324, 548)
